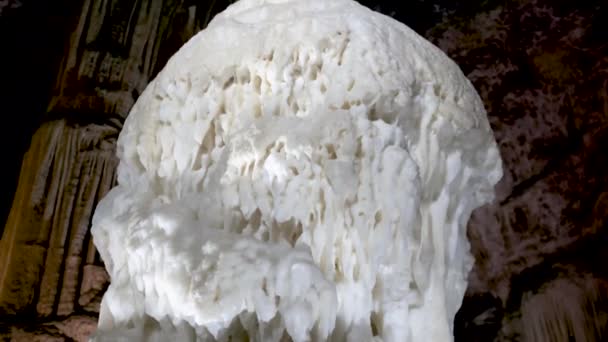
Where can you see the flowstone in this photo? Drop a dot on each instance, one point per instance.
(300, 170)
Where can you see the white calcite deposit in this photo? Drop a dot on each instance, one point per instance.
(300, 170)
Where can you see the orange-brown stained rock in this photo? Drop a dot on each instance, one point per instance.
(94, 283)
(47, 243)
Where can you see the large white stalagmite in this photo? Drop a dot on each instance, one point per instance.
(300, 170)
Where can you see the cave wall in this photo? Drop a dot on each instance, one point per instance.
(540, 66)
(51, 276)
(31, 43)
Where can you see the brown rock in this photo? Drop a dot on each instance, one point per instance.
(114, 52)
(69, 286)
(552, 214)
(78, 328)
(66, 171)
(41, 333)
(17, 292)
(95, 280)
(49, 286)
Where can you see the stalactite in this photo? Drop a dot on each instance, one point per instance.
(563, 310)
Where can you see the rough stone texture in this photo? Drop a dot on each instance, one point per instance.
(526, 59)
(94, 279)
(73, 328)
(118, 46)
(48, 224)
(77, 328)
(541, 67)
(46, 251)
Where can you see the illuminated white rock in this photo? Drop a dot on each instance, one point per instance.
(300, 170)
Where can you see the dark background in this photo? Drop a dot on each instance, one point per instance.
(540, 66)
